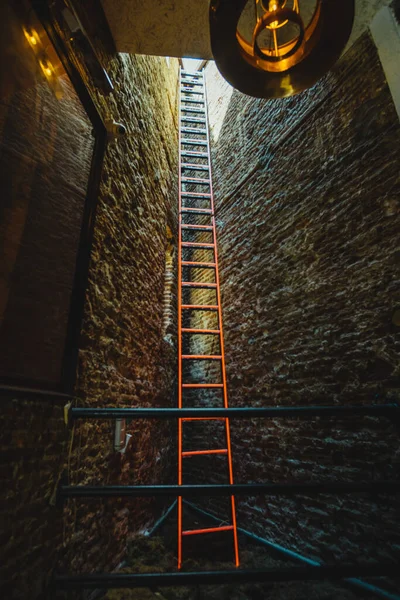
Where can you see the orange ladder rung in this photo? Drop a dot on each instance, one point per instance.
(208, 530)
(197, 211)
(196, 194)
(196, 245)
(199, 306)
(201, 356)
(205, 331)
(204, 265)
(201, 227)
(204, 452)
(204, 419)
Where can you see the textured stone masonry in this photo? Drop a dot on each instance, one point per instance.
(307, 211)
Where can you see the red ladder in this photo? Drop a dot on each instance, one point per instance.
(194, 163)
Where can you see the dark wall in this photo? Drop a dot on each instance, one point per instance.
(46, 149)
(123, 359)
(307, 213)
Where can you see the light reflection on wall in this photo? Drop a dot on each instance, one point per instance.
(219, 97)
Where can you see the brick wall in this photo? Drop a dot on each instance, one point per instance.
(307, 214)
(123, 359)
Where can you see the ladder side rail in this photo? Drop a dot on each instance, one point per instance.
(221, 336)
(180, 330)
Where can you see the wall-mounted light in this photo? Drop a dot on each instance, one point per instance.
(32, 37)
(47, 69)
(41, 47)
(277, 48)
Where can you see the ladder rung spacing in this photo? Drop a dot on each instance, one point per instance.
(191, 101)
(195, 180)
(199, 284)
(197, 245)
(193, 210)
(198, 227)
(188, 79)
(190, 154)
(193, 167)
(194, 143)
(191, 76)
(208, 530)
(196, 211)
(192, 82)
(197, 74)
(190, 91)
(199, 265)
(200, 230)
(192, 120)
(198, 195)
(202, 331)
(194, 130)
(195, 386)
(199, 111)
(204, 452)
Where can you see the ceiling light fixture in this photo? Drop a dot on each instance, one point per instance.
(277, 48)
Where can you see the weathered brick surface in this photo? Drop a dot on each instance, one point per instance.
(123, 359)
(307, 213)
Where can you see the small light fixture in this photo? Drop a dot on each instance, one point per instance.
(32, 37)
(47, 68)
(277, 48)
(42, 49)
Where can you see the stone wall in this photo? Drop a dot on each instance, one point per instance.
(43, 139)
(307, 215)
(123, 360)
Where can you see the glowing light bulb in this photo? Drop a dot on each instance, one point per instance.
(46, 68)
(273, 8)
(32, 38)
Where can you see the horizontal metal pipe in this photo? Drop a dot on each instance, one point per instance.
(282, 574)
(17, 392)
(272, 412)
(250, 489)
